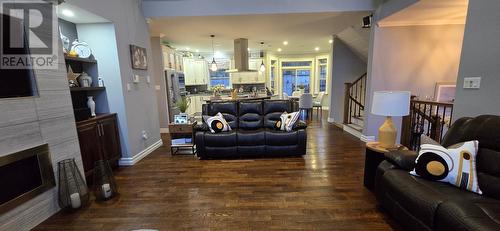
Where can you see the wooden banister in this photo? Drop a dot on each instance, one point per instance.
(354, 98)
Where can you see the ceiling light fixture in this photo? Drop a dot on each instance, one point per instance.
(285, 43)
(68, 13)
(197, 50)
(316, 48)
(279, 50)
(188, 48)
(213, 65)
(262, 65)
(330, 41)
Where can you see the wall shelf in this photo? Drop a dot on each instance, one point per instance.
(76, 59)
(73, 89)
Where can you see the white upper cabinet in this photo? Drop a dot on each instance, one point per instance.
(195, 71)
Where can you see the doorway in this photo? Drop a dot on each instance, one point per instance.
(294, 79)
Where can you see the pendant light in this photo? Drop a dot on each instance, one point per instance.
(262, 65)
(213, 65)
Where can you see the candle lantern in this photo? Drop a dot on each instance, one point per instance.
(73, 191)
(104, 182)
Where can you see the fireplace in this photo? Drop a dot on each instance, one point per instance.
(24, 175)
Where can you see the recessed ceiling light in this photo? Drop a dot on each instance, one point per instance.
(218, 54)
(187, 48)
(279, 50)
(68, 13)
(248, 48)
(330, 41)
(316, 48)
(285, 43)
(197, 50)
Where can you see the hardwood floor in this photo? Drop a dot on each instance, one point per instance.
(320, 191)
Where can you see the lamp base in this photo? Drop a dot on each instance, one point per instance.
(387, 134)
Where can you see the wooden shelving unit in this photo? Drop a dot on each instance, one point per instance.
(74, 89)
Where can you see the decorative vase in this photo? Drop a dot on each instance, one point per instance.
(91, 105)
(73, 192)
(85, 80)
(104, 183)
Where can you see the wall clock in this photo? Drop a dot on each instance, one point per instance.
(82, 49)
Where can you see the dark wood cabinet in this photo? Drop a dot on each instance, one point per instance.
(99, 140)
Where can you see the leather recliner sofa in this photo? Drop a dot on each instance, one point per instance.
(420, 204)
(252, 134)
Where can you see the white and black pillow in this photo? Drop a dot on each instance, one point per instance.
(217, 123)
(455, 165)
(286, 121)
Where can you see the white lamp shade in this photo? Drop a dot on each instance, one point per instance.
(391, 103)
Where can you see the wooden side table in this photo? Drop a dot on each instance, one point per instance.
(178, 131)
(374, 155)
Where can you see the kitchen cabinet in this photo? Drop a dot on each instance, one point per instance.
(195, 71)
(195, 105)
(99, 140)
(247, 77)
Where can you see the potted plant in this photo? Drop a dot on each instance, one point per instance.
(183, 104)
(301, 88)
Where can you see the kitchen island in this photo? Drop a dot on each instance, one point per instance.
(238, 99)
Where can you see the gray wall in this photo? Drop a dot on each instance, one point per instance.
(101, 38)
(411, 58)
(346, 67)
(140, 102)
(480, 57)
(31, 121)
(159, 75)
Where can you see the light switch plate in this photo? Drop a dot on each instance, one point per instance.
(472, 82)
(136, 79)
(158, 87)
(128, 87)
(148, 79)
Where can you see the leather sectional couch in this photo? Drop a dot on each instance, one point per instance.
(419, 204)
(252, 134)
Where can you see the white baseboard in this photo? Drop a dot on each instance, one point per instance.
(352, 131)
(367, 138)
(129, 161)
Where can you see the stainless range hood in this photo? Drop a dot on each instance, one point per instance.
(240, 56)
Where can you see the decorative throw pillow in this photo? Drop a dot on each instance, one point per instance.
(455, 165)
(217, 123)
(286, 121)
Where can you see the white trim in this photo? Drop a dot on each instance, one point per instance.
(367, 138)
(330, 120)
(352, 131)
(163, 130)
(129, 161)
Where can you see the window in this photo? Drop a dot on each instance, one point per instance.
(273, 74)
(322, 65)
(296, 76)
(296, 64)
(220, 76)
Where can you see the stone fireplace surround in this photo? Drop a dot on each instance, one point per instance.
(32, 121)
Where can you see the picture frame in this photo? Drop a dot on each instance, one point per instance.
(180, 119)
(445, 92)
(138, 57)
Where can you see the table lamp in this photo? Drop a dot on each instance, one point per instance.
(390, 103)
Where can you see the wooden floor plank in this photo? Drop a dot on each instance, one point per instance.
(320, 191)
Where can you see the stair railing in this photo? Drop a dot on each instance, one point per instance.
(354, 99)
(426, 117)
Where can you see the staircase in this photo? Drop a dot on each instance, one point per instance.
(354, 106)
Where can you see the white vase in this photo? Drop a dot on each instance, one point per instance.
(91, 105)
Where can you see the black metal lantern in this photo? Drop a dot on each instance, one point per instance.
(73, 191)
(104, 182)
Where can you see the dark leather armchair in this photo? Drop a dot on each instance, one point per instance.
(252, 134)
(420, 204)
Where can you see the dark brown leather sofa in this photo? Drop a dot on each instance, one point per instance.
(419, 204)
(252, 134)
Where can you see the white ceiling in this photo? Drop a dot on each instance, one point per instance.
(80, 15)
(303, 31)
(429, 12)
